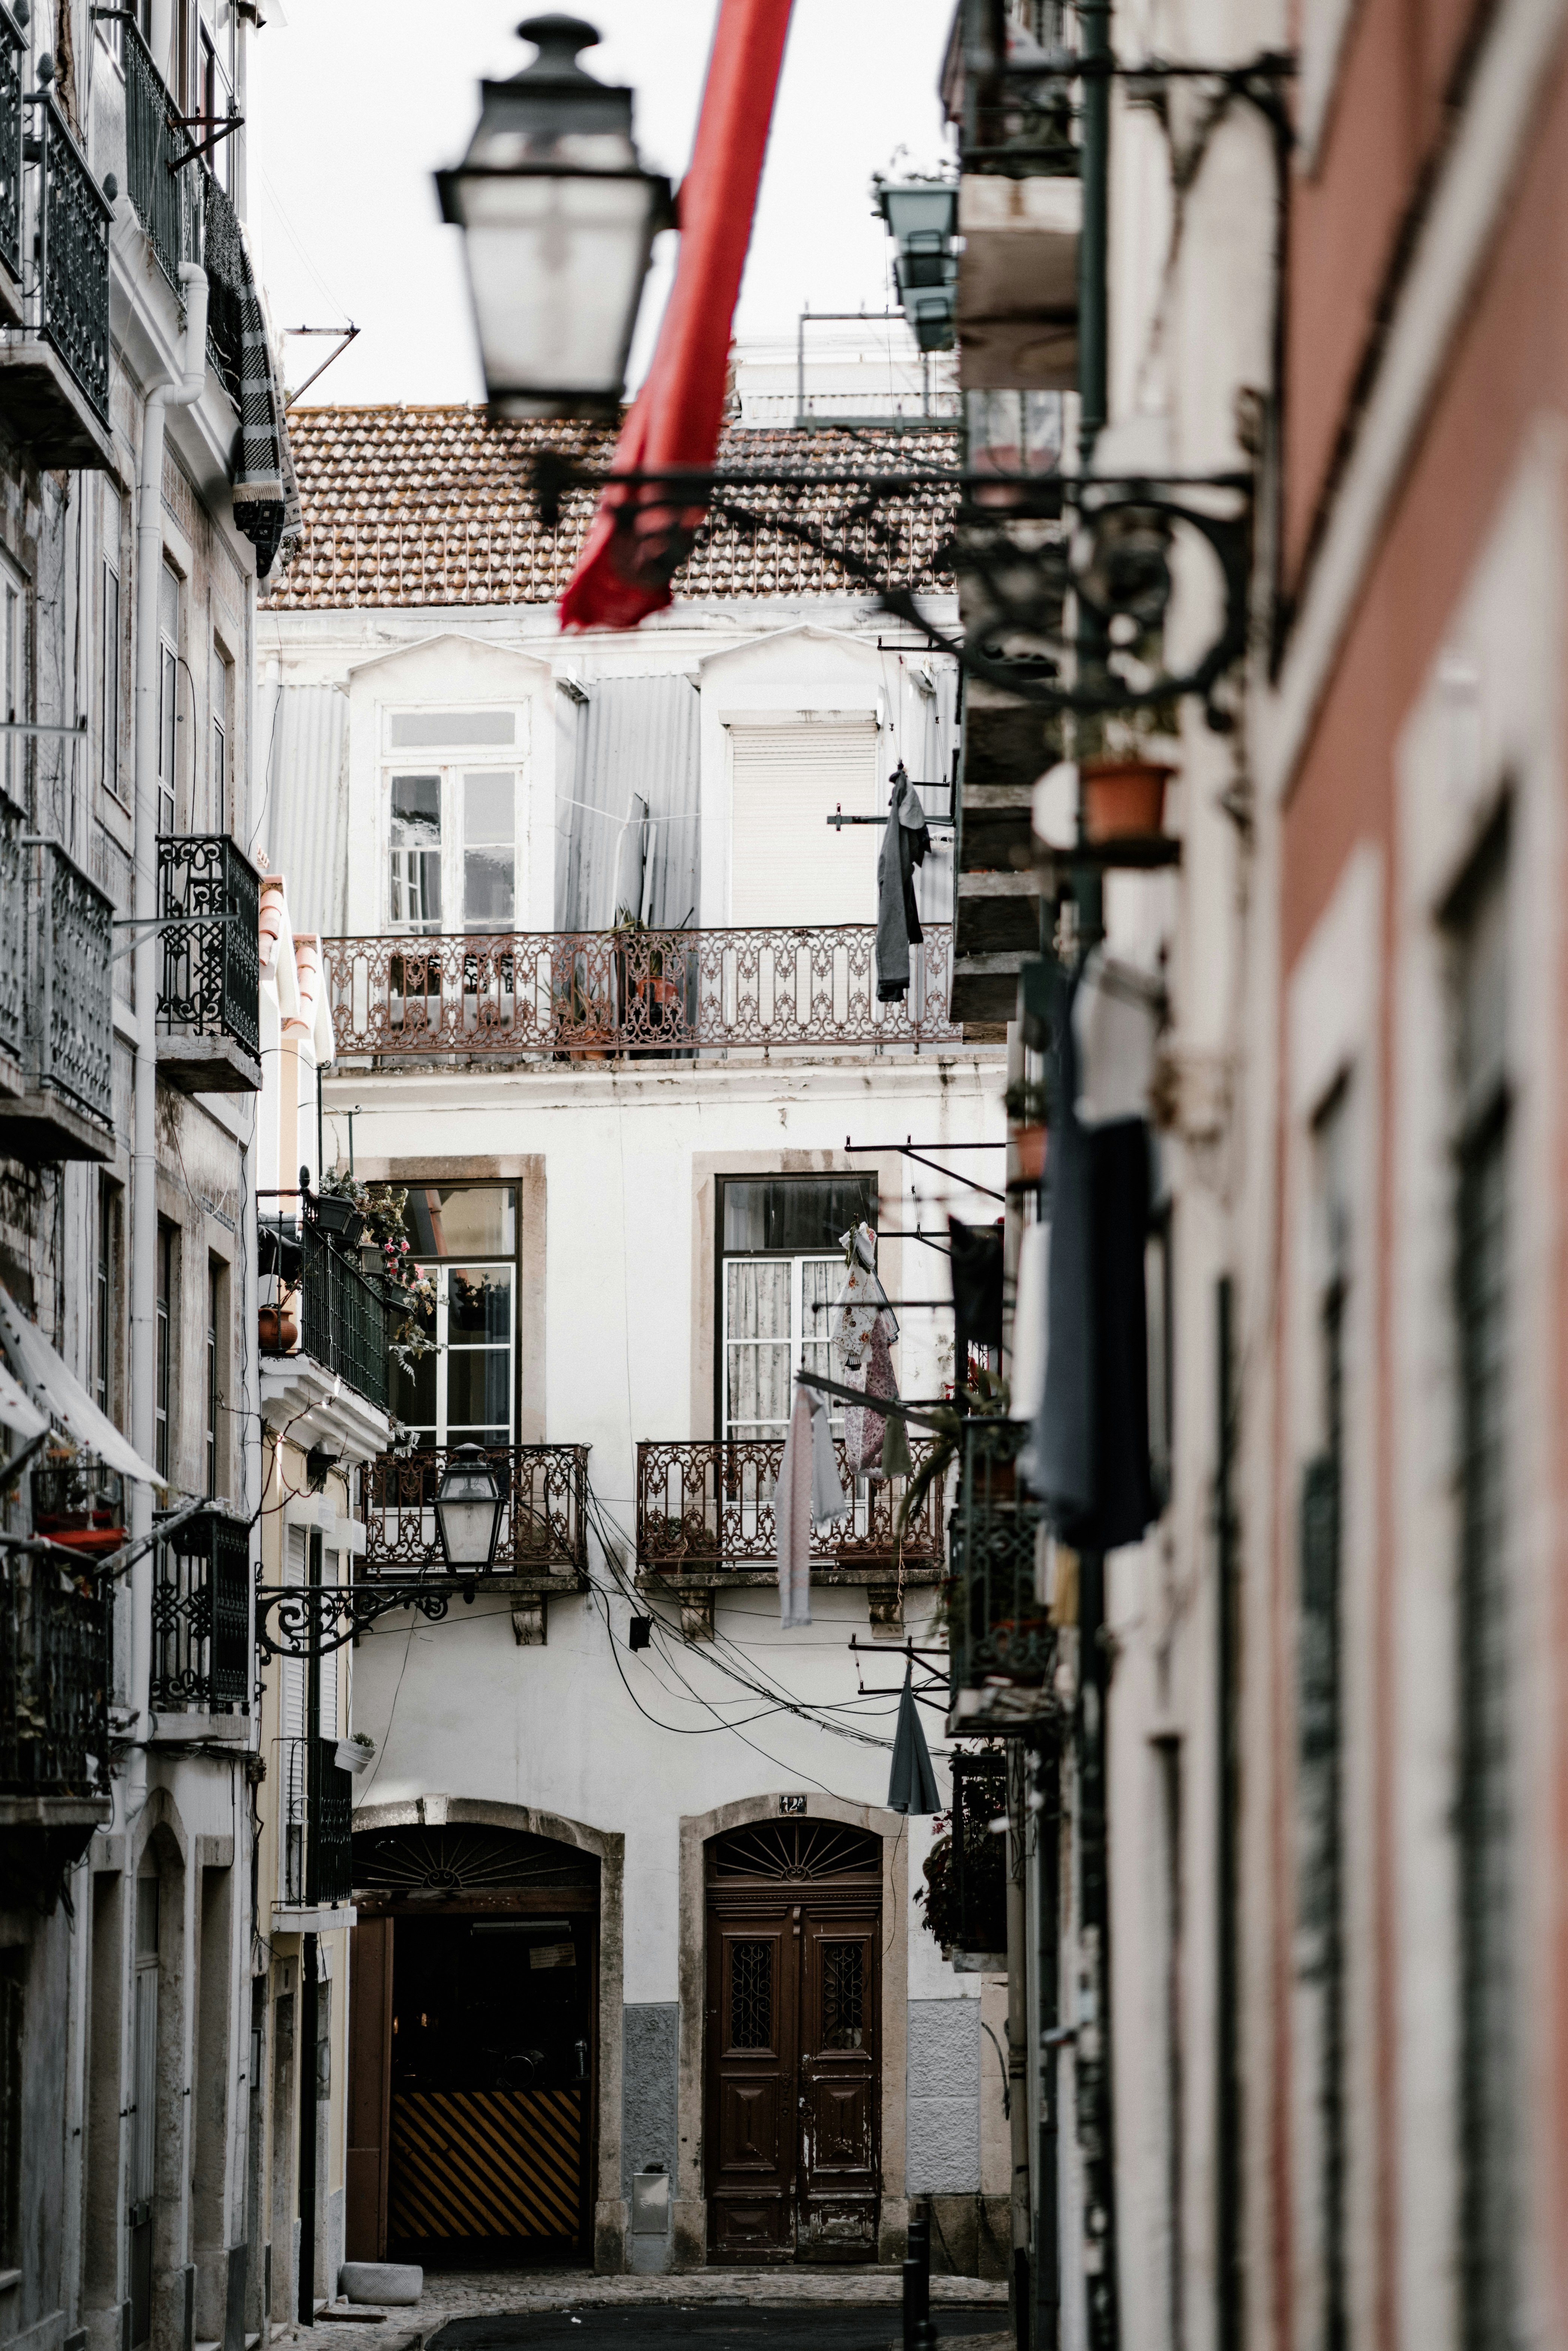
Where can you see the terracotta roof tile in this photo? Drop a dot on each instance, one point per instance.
(434, 505)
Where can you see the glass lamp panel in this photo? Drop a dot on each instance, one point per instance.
(556, 269)
(921, 211)
(466, 1526)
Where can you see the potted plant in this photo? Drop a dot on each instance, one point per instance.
(340, 1206)
(356, 1752)
(1123, 797)
(78, 1502)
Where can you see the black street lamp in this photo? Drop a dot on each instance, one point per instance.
(468, 1505)
(559, 220)
(922, 219)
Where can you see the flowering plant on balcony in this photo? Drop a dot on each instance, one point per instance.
(384, 1237)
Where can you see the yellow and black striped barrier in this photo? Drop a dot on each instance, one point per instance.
(486, 2163)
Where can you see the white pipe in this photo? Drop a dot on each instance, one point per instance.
(144, 1126)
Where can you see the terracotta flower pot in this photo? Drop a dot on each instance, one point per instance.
(1125, 798)
(1029, 1143)
(277, 1329)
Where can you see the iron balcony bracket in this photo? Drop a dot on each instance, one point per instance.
(1035, 551)
(312, 1621)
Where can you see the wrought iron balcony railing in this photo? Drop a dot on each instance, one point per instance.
(587, 994)
(998, 1629)
(707, 1507)
(13, 53)
(13, 865)
(200, 1617)
(544, 1523)
(159, 190)
(73, 225)
(322, 1303)
(209, 999)
(54, 1682)
(65, 1108)
(314, 1814)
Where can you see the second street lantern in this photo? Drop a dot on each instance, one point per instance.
(559, 220)
(469, 1502)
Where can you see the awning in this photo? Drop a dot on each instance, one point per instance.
(57, 1392)
(17, 1414)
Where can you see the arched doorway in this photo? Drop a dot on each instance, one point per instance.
(474, 2058)
(793, 2041)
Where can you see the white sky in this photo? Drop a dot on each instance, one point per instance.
(354, 103)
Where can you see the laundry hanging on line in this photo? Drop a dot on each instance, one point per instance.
(863, 1329)
(808, 1498)
(904, 842)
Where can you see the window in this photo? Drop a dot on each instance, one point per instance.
(13, 658)
(11, 2046)
(416, 852)
(1320, 1771)
(108, 646)
(465, 1239)
(1489, 1988)
(168, 695)
(780, 1268)
(453, 822)
(215, 96)
(786, 781)
(216, 1286)
(106, 1302)
(165, 1343)
(223, 703)
(453, 845)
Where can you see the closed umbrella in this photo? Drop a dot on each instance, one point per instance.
(912, 1784)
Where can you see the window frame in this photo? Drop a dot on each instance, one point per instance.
(167, 784)
(14, 616)
(724, 1257)
(166, 1281)
(452, 763)
(515, 1263)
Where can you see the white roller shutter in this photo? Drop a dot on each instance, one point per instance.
(788, 864)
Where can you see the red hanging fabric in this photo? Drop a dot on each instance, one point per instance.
(623, 572)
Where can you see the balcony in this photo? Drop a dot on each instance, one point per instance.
(54, 277)
(55, 1666)
(314, 1812)
(325, 1329)
(1001, 1638)
(544, 1518)
(209, 1006)
(201, 1627)
(595, 996)
(62, 1105)
(705, 1523)
(160, 188)
(14, 874)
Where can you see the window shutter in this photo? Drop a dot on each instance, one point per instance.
(786, 864)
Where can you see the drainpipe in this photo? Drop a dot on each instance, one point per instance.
(144, 1138)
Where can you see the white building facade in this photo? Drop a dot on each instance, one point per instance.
(634, 1926)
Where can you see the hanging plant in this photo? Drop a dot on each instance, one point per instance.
(384, 1232)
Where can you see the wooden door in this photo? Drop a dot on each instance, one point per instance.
(753, 1971)
(370, 2089)
(840, 2082)
(794, 2076)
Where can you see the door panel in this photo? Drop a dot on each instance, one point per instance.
(751, 2038)
(839, 2075)
(369, 2088)
(794, 2078)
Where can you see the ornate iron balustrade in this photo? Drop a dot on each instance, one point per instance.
(544, 1525)
(998, 1627)
(14, 867)
(584, 995)
(315, 1823)
(212, 970)
(67, 993)
(200, 1617)
(13, 51)
(344, 1317)
(153, 139)
(708, 1505)
(74, 217)
(54, 1682)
